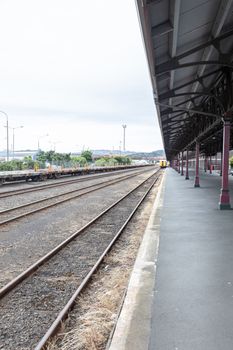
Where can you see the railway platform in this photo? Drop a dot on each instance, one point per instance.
(180, 295)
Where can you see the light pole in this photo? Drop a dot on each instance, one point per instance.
(17, 127)
(124, 127)
(120, 148)
(54, 143)
(38, 140)
(7, 136)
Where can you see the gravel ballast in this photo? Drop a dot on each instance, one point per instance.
(24, 242)
(92, 321)
(29, 309)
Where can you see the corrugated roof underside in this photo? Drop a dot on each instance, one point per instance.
(176, 27)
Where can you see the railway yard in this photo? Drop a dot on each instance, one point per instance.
(116, 164)
(55, 236)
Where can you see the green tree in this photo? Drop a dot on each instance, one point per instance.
(88, 155)
(112, 161)
(28, 162)
(123, 160)
(41, 156)
(78, 161)
(67, 157)
(12, 165)
(101, 162)
(50, 156)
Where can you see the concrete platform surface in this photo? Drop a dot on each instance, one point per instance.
(193, 301)
(189, 305)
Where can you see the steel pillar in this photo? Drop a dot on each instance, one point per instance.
(197, 180)
(205, 164)
(210, 165)
(187, 166)
(178, 163)
(221, 165)
(224, 202)
(182, 164)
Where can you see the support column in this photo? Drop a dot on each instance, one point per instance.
(205, 163)
(182, 164)
(187, 166)
(224, 202)
(197, 180)
(221, 165)
(179, 163)
(210, 165)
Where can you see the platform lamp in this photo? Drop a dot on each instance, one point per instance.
(124, 127)
(38, 140)
(17, 127)
(7, 135)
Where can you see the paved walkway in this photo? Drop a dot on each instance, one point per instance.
(193, 300)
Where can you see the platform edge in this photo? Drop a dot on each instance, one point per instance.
(133, 326)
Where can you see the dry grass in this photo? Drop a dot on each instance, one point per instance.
(93, 318)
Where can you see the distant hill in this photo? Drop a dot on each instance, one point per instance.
(97, 153)
(132, 154)
(101, 152)
(158, 153)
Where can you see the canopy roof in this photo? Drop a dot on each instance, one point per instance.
(189, 47)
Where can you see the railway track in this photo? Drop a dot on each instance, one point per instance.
(36, 302)
(15, 213)
(6, 194)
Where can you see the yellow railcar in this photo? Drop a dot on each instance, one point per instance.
(163, 163)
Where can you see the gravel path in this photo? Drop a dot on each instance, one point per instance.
(25, 242)
(30, 308)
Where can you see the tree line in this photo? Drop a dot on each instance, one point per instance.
(44, 159)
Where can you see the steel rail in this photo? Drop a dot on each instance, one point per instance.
(58, 195)
(31, 269)
(64, 312)
(100, 186)
(6, 194)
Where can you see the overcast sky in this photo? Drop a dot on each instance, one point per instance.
(76, 70)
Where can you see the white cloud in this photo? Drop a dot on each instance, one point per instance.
(75, 65)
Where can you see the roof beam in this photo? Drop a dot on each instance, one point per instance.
(198, 94)
(171, 93)
(203, 133)
(173, 122)
(173, 47)
(170, 110)
(161, 29)
(161, 96)
(172, 128)
(152, 2)
(173, 63)
(195, 111)
(220, 19)
(163, 77)
(174, 116)
(166, 111)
